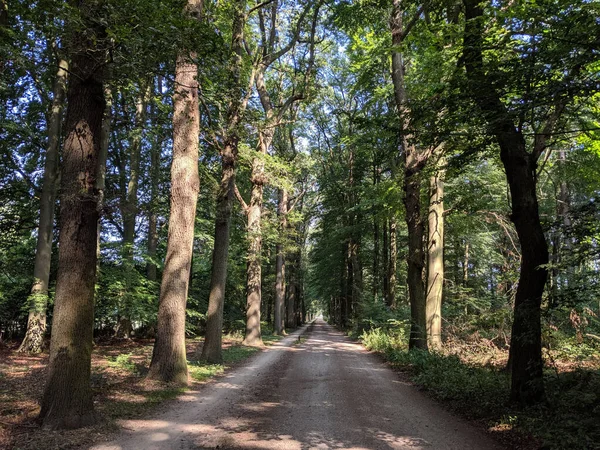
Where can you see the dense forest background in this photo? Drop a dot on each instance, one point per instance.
(423, 174)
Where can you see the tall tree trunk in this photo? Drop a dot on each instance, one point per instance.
(435, 258)
(151, 269)
(212, 349)
(527, 384)
(465, 265)
(36, 323)
(67, 399)
(253, 268)
(385, 259)
(169, 362)
(290, 298)
(130, 212)
(280, 264)
(101, 174)
(414, 160)
(375, 287)
(130, 208)
(392, 265)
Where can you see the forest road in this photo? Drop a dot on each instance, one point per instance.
(322, 391)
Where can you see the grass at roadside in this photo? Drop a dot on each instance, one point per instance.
(119, 388)
(569, 419)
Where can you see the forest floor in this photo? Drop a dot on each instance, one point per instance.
(321, 391)
(120, 390)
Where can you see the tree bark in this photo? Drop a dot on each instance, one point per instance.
(414, 161)
(130, 206)
(169, 362)
(527, 385)
(253, 269)
(212, 349)
(375, 287)
(151, 269)
(279, 327)
(67, 399)
(392, 265)
(435, 259)
(36, 323)
(129, 210)
(386, 260)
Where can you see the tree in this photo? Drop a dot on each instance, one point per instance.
(435, 256)
(36, 323)
(414, 159)
(169, 361)
(212, 348)
(507, 123)
(67, 399)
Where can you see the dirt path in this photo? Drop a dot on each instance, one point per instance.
(324, 392)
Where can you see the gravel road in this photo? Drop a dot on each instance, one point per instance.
(320, 392)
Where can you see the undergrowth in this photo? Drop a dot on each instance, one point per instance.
(570, 418)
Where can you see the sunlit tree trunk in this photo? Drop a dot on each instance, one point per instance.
(169, 362)
(392, 265)
(435, 259)
(36, 323)
(254, 228)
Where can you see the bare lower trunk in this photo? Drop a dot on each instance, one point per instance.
(290, 299)
(253, 268)
(416, 260)
(36, 323)
(67, 399)
(435, 260)
(375, 287)
(169, 362)
(386, 260)
(392, 265)
(280, 265)
(212, 351)
(130, 211)
(130, 208)
(414, 160)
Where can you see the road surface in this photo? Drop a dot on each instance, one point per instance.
(321, 392)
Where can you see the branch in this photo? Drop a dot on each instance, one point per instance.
(296, 200)
(269, 59)
(410, 25)
(260, 5)
(240, 199)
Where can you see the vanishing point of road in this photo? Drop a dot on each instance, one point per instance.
(321, 392)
